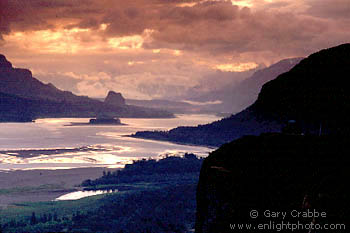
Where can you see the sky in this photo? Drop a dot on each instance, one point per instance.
(169, 49)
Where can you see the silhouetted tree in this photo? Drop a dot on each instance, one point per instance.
(43, 218)
(33, 220)
(55, 218)
(49, 218)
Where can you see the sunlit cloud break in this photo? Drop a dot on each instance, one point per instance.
(237, 67)
(143, 42)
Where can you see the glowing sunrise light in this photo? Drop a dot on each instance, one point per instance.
(76, 30)
(60, 41)
(73, 40)
(126, 42)
(189, 4)
(242, 3)
(236, 67)
(177, 53)
(131, 63)
(103, 27)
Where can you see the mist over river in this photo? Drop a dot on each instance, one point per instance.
(53, 144)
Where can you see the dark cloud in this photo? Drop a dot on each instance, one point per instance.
(128, 21)
(89, 23)
(209, 11)
(208, 32)
(22, 15)
(335, 9)
(213, 26)
(220, 27)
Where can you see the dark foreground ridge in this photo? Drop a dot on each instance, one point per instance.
(314, 93)
(274, 172)
(303, 169)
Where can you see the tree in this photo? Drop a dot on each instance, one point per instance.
(33, 220)
(55, 217)
(49, 217)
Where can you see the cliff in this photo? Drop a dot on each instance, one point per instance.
(313, 92)
(274, 172)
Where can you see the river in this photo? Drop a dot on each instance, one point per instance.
(53, 144)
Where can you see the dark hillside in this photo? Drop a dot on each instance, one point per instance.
(274, 172)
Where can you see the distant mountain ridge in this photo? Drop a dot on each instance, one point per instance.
(248, 90)
(24, 98)
(314, 93)
(240, 96)
(20, 82)
(232, 98)
(179, 107)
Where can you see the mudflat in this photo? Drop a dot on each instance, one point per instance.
(42, 185)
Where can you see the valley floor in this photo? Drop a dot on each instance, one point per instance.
(42, 185)
(152, 196)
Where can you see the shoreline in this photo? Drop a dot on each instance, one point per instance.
(32, 152)
(170, 141)
(87, 117)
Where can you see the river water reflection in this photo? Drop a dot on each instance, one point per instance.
(51, 144)
(81, 194)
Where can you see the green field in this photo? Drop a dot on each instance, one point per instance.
(151, 198)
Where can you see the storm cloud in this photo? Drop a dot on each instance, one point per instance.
(135, 40)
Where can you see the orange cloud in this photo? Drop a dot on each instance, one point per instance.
(147, 41)
(237, 67)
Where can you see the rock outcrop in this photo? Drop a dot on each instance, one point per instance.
(105, 121)
(115, 99)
